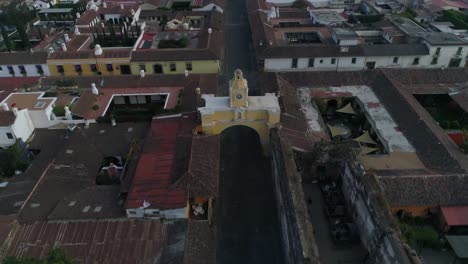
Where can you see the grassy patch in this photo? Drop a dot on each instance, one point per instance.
(458, 19)
(173, 43)
(421, 236)
(444, 110)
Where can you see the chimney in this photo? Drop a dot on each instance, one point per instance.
(113, 122)
(210, 31)
(64, 47)
(132, 12)
(121, 6)
(102, 25)
(68, 114)
(94, 89)
(5, 107)
(78, 15)
(67, 38)
(142, 73)
(277, 12)
(77, 31)
(104, 4)
(186, 73)
(15, 111)
(97, 50)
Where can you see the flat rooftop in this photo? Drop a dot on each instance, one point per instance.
(269, 101)
(327, 17)
(31, 101)
(442, 38)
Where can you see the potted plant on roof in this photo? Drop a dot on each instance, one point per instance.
(66, 84)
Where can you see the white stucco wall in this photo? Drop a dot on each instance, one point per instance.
(30, 70)
(168, 214)
(41, 118)
(446, 54)
(4, 140)
(345, 63)
(208, 7)
(23, 126)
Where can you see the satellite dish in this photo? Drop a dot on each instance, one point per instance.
(146, 204)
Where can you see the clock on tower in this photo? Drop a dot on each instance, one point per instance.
(238, 90)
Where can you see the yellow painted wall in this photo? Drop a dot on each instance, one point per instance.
(198, 67)
(217, 122)
(69, 67)
(261, 128)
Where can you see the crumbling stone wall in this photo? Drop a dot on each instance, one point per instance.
(297, 233)
(377, 236)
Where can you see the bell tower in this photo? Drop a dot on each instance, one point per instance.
(238, 90)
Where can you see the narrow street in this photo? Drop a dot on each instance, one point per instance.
(238, 50)
(249, 230)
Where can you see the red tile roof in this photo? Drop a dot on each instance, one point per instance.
(12, 84)
(455, 215)
(153, 177)
(458, 137)
(104, 242)
(7, 118)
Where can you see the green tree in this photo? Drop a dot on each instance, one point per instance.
(55, 256)
(19, 15)
(12, 159)
(299, 4)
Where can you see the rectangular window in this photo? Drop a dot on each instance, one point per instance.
(11, 70)
(294, 63)
(109, 67)
(22, 69)
(437, 51)
(333, 61)
(434, 61)
(173, 67)
(78, 68)
(416, 61)
(311, 63)
(9, 135)
(39, 105)
(60, 69)
(395, 59)
(93, 67)
(459, 51)
(39, 69)
(353, 60)
(188, 66)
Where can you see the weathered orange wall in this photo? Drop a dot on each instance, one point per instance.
(414, 210)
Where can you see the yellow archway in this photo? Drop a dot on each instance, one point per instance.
(260, 113)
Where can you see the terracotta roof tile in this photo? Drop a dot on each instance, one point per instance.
(429, 190)
(202, 178)
(38, 57)
(7, 118)
(201, 243)
(154, 174)
(105, 242)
